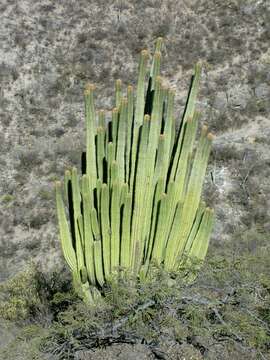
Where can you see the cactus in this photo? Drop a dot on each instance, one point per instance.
(138, 200)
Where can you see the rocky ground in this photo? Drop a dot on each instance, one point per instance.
(49, 50)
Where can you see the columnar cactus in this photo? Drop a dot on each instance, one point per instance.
(138, 200)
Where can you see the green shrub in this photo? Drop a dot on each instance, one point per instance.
(19, 298)
(226, 309)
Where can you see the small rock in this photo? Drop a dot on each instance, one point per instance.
(262, 91)
(238, 96)
(220, 101)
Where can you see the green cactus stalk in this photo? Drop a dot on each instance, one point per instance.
(90, 115)
(139, 201)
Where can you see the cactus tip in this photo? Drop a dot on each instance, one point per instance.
(159, 80)
(144, 53)
(210, 136)
(118, 83)
(89, 88)
(157, 55)
(204, 130)
(198, 66)
(130, 88)
(146, 117)
(58, 184)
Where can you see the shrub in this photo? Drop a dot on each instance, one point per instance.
(19, 296)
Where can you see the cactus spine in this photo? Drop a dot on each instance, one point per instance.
(138, 200)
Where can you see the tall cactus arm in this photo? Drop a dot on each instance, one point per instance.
(155, 70)
(115, 226)
(159, 166)
(173, 237)
(118, 92)
(130, 113)
(121, 140)
(188, 114)
(114, 173)
(183, 161)
(110, 160)
(88, 235)
(139, 195)
(124, 192)
(205, 243)
(159, 244)
(193, 92)
(90, 135)
(139, 113)
(158, 45)
(81, 230)
(201, 241)
(191, 202)
(153, 216)
(89, 262)
(140, 93)
(115, 124)
(155, 67)
(125, 233)
(100, 151)
(76, 199)
(101, 119)
(98, 258)
(195, 228)
(152, 146)
(65, 236)
(200, 244)
(170, 213)
(105, 230)
(194, 190)
(67, 181)
(98, 262)
(168, 131)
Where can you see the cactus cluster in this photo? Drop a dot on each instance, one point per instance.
(138, 199)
